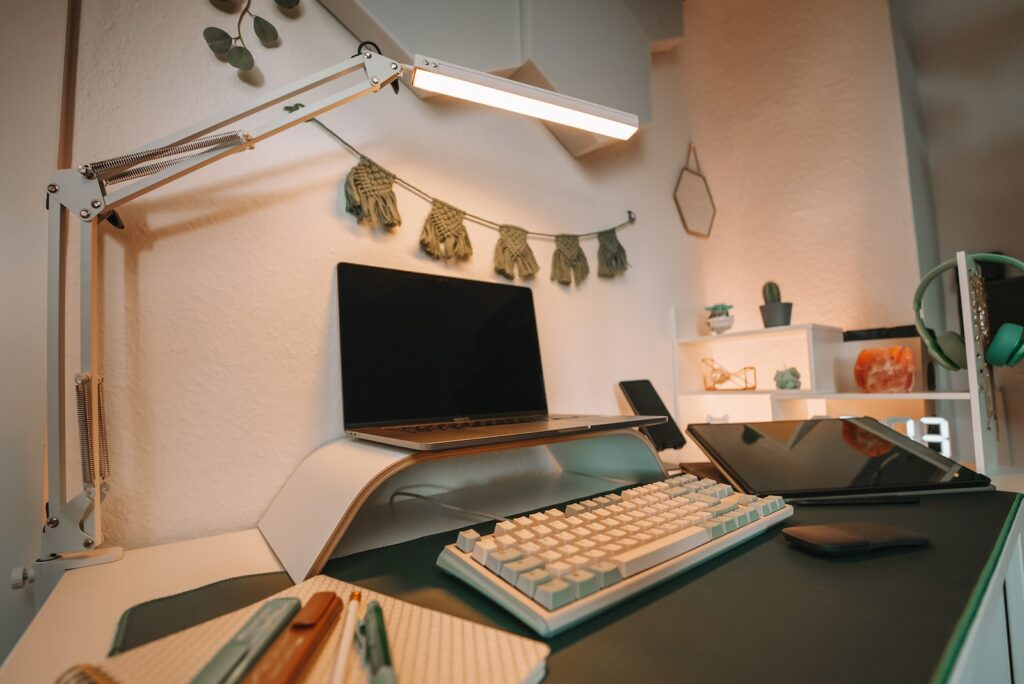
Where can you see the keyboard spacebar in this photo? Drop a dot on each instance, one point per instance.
(660, 550)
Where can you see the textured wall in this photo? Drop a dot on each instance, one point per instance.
(220, 305)
(794, 108)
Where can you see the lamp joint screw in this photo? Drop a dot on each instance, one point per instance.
(433, 64)
(426, 62)
(52, 188)
(96, 204)
(88, 543)
(52, 522)
(84, 213)
(394, 66)
(375, 80)
(368, 55)
(85, 170)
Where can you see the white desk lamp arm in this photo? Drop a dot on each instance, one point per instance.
(73, 529)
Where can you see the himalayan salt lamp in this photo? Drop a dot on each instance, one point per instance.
(885, 369)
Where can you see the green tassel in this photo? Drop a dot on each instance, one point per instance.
(611, 256)
(569, 261)
(444, 233)
(369, 195)
(512, 253)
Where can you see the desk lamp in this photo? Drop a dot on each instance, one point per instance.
(72, 532)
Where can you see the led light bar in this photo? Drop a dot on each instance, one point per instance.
(476, 86)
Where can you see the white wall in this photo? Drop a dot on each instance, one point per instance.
(32, 57)
(219, 306)
(794, 108)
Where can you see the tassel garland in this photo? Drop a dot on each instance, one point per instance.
(569, 262)
(444, 234)
(611, 256)
(369, 195)
(512, 253)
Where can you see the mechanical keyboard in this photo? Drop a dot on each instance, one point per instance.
(557, 568)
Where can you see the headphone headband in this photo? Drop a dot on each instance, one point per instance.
(926, 335)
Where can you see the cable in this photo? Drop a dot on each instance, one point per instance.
(488, 516)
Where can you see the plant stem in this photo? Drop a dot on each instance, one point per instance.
(245, 10)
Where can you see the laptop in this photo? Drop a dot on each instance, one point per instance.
(433, 363)
(829, 458)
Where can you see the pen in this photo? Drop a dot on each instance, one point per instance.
(375, 648)
(348, 632)
(862, 501)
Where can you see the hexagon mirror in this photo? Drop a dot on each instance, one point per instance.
(693, 198)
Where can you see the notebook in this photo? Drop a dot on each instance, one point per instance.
(430, 362)
(426, 646)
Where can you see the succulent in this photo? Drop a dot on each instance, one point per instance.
(717, 310)
(771, 293)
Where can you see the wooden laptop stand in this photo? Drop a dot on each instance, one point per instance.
(349, 495)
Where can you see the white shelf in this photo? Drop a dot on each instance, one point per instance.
(803, 395)
(763, 332)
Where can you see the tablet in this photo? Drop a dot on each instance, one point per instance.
(828, 457)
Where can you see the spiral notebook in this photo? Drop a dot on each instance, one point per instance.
(426, 646)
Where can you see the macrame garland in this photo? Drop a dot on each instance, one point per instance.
(369, 195)
(444, 234)
(512, 253)
(569, 262)
(611, 256)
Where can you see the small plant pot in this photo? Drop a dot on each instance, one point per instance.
(776, 314)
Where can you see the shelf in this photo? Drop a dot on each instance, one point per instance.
(763, 332)
(804, 395)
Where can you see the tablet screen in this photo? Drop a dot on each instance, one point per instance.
(827, 456)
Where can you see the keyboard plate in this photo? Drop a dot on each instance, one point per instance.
(548, 623)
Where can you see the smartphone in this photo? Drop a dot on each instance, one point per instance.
(644, 401)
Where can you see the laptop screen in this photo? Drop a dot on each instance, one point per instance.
(425, 348)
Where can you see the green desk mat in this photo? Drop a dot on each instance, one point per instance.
(761, 612)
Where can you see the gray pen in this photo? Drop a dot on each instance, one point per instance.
(376, 653)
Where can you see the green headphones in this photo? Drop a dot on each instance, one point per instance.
(1007, 345)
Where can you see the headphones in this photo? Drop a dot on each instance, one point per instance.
(1007, 345)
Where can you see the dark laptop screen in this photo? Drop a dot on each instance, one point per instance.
(422, 348)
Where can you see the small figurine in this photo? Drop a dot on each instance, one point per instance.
(719, 318)
(787, 379)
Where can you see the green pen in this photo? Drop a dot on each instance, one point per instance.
(374, 640)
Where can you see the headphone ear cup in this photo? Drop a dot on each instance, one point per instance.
(953, 348)
(1007, 345)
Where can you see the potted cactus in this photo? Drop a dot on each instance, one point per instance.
(774, 312)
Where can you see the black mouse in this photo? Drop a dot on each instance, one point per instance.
(850, 538)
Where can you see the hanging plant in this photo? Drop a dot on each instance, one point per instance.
(233, 47)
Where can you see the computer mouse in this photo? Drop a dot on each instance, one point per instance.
(850, 538)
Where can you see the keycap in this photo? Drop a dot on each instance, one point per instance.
(529, 581)
(541, 530)
(467, 540)
(504, 541)
(483, 549)
(554, 514)
(558, 526)
(576, 562)
(565, 537)
(574, 509)
(606, 573)
(558, 568)
(721, 509)
(582, 583)
(496, 560)
(538, 518)
(510, 572)
(523, 535)
(529, 548)
(554, 594)
(570, 550)
(648, 555)
(522, 521)
(505, 527)
(548, 542)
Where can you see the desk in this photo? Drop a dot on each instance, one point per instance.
(761, 612)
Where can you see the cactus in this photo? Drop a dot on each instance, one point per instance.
(771, 293)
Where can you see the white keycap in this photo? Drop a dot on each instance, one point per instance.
(565, 537)
(554, 514)
(496, 560)
(483, 548)
(548, 542)
(467, 539)
(529, 581)
(558, 526)
(523, 535)
(570, 550)
(575, 562)
(554, 594)
(510, 572)
(646, 556)
(539, 518)
(529, 548)
(522, 521)
(505, 527)
(506, 540)
(541, 530)
(550, 556)
(582, 582)
(558, 568)
(574, 509)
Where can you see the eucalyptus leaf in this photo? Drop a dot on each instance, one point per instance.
(265, 31)
(218, 39)
(287, 4)
(240, 58)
